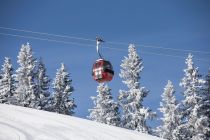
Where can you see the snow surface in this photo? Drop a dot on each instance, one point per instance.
(20, 123)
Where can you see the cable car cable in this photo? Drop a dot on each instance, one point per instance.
(109, 42)
(89, 45)
(45, 39)
(158, 47)
(49, 34)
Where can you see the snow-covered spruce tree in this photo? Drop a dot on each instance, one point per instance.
(168, 107)
(7, 83)
(192, 113)
(61, 102)
(202, 125)
(105, 109)
(43, 84)
(134, 114)
(26, 88)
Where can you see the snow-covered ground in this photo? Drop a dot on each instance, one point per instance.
(19, 123)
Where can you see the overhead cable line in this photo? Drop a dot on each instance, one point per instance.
(160, 54)
(45, 39)
(48, 34)
(181, 50)
(109, 42)
(89, 45)
(158, 47)
(175, 56)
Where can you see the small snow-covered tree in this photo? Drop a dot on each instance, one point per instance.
(43, 84)
(168, 107)
(26, 87)
(61, 102)
(7, 83)
(134, 114)
(191, 110)
(105, 109)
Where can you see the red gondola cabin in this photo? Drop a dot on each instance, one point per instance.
(102, 71)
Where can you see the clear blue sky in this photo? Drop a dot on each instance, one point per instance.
(163, 23)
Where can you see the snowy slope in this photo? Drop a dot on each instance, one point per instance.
(19, 123)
